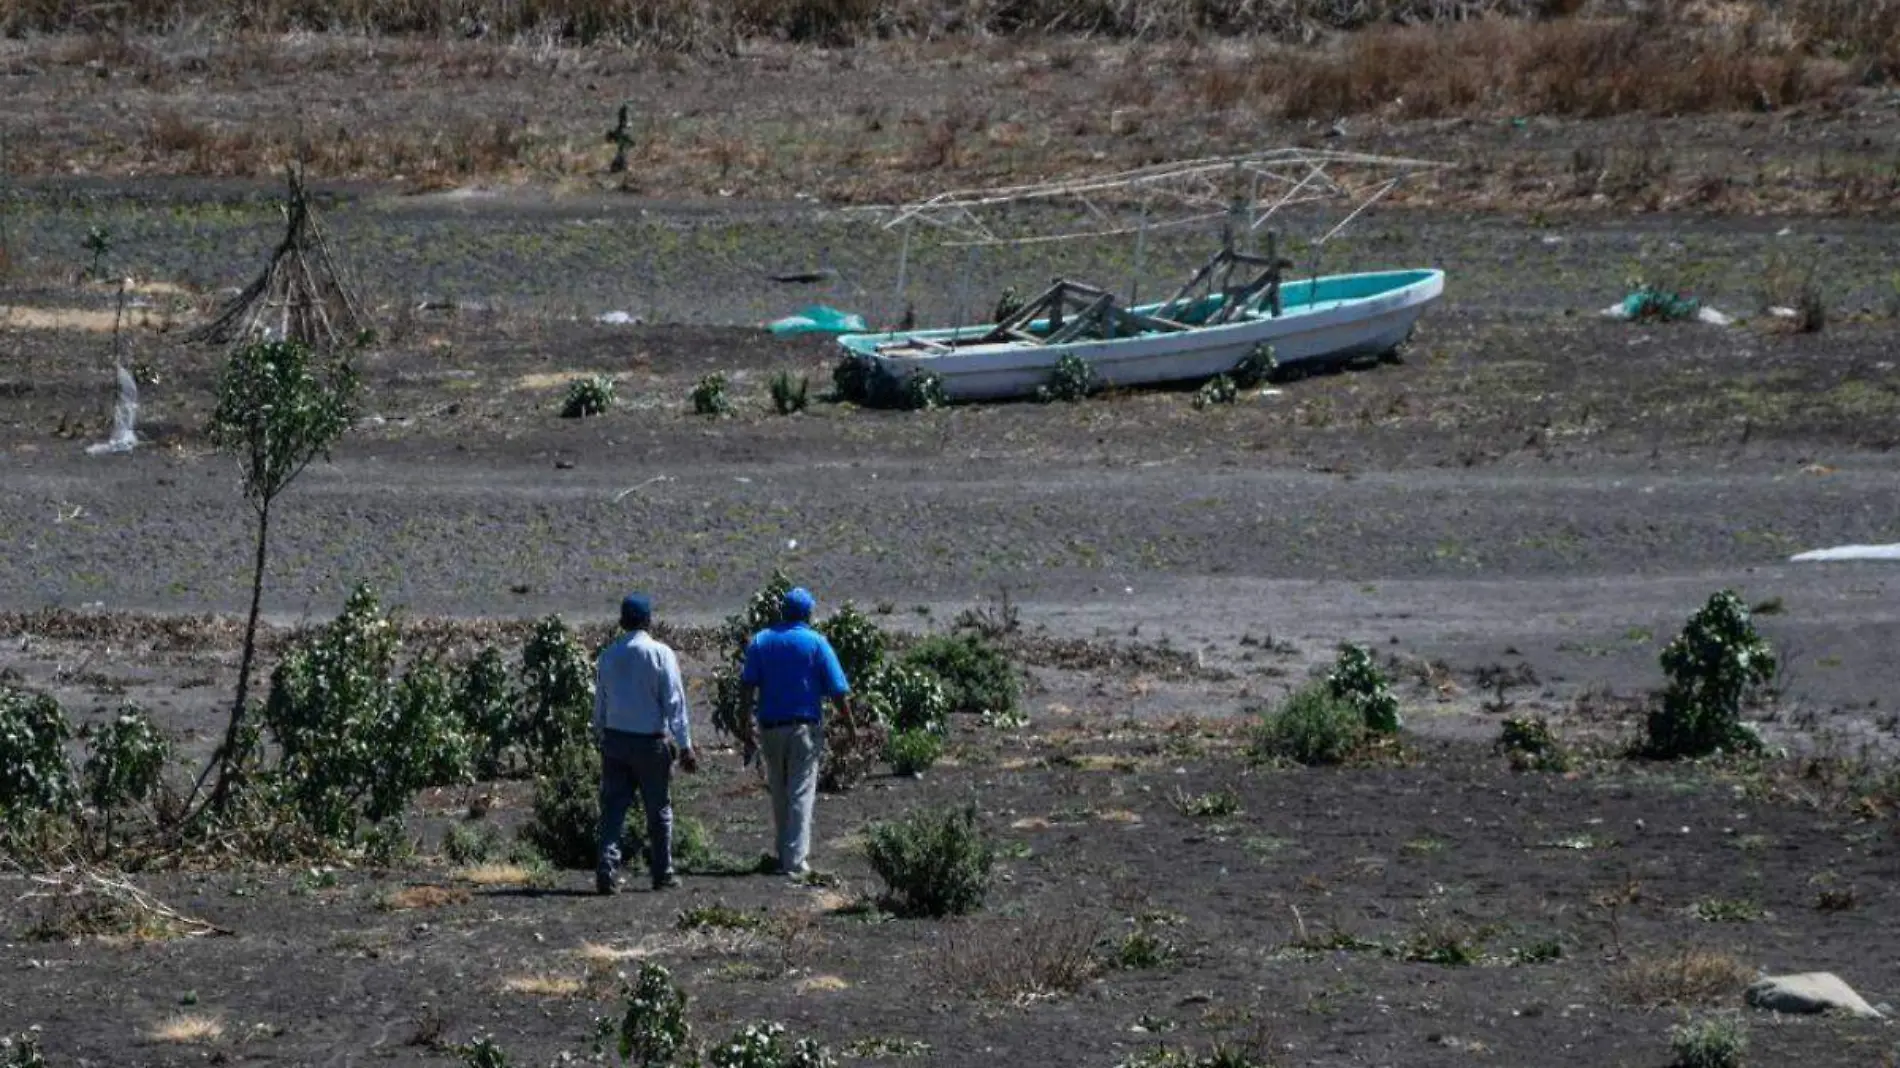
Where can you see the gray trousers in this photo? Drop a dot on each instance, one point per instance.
(791, 772)
(630, 763)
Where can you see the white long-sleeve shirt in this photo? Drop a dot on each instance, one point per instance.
(637, 689)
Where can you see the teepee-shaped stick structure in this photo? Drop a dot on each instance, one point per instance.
(301, 296)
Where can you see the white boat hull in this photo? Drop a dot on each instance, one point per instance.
(1313, 331)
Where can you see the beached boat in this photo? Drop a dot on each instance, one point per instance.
(1238, 306)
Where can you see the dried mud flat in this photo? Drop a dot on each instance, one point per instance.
(1535, 495)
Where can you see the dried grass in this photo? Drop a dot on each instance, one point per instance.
(1020, 960)
(188, 1029)
(1688, 976)
(493, 875)
(544, 986)
(424, 897)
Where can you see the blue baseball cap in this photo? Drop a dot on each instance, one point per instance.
(636, 611)
(799, 605)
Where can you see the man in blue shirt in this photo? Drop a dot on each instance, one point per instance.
(790, 672)
(638, 702)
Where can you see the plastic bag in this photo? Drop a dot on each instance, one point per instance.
(818, 319)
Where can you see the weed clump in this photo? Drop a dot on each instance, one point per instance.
(913, 752)
(1072, 380)
(1357, 680)
(765, 1046)
(592, 395)
(1256, 368)
(709, 396)
(924, 392)
(1531, 745)
(789, 394)
(652, 1028)
(1219, 389)
(976, 672)
(932, 863)
(1718, 1041)
(1313, 726)
(1713, 666)
(21, 1051)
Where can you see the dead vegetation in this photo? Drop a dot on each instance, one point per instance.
(1691, 975)
(1014, 961)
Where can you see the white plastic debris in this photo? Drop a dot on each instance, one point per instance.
(124, 415)
(619, 318)
(1848, 552)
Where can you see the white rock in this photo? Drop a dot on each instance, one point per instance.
(1808, 993)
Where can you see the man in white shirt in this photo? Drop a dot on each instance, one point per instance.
(640, 725)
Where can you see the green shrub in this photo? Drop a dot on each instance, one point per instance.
(565, 819)
(1357, 680)
(21, 1051)
(485, 703)
(483, 1052)
(389, 844)
(559, 699)
(923, 391)
(858, 642)
(1142, 948)
(906, 699)
(36, 779)
(913, 752)
(765, 1046)
(126, 763)
(1313, 726)
(1219, 389)
(853, 376)
(709, 396)
(789, 394)
(355, 743)
(1256, 368)
(592, 395)
(1072, 379)
(718, 916)
(1532, 746)
(652, 1029)
(1713, 666)
(932, 863)
(473, 843)
(1711, 1042)
(976, 672)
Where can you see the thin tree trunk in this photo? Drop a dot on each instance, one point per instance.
(223, 759)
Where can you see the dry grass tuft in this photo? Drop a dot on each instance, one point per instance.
(543, 986)
(424, 897)
(600, 956)
(1020, 960)
(188, 1029)
(1687, 976)
(493, 875)
(821, 984)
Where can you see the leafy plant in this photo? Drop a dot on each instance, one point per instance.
(1312, 726)
(592, 395)
(559, 700)
(1142, 948)
(1718, 1041)
(564, 822)
(485, 703)
(975, 671)
(761, 611)
(1214, 803)
(719, 917)
(1072, 379)
(859, 643)
(709, 396)
(126, 762)
(1357, 680)
(472, 843)
(913, 752)
(1713, 665)
(652, 1029)
(1256, 368)
(1532, 746)
(35, 777)
(789, 394)
(98, 243)
(906, 699)
(21, 1051)
(482, 1052)
(1219, 389)
(923, 391)
(279, 407)
(932, 863)
(765, 1046)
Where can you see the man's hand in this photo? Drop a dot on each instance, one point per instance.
(689, 760)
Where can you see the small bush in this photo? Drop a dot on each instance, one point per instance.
(932, 863)
(709, 396)
(1711, 1042)
(1256, 368)
(21, 1051)
(851, 752)
(1532, 746)
(473, 843)
(789, 394)
(858, 642)
(485, 703)
(559, 699)
(913, 752)
(718, 917)
(1716, 663)
(592, 395)
(652, 1029)
(923, 391)
(35, 777)
(765, 1046)
(1214, 803)
(1142, 948)
(126, 763)
(975, 671)
(565, 819)
(483, 1052)
(1357, 680)
(1313, 726)
(1037, 955)
(1071, 380)
(1219, 389)
(907, 699)
(855, 378)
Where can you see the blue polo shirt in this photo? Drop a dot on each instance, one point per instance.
(795, 670)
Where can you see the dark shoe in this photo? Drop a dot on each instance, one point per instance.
(669, 881)
(605, 884)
